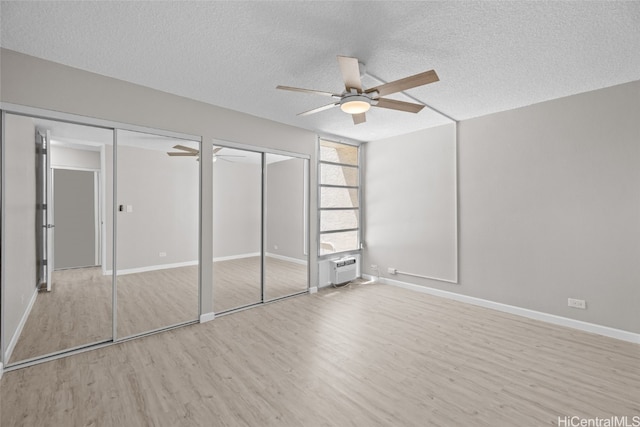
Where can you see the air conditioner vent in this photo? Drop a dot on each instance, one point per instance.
(343, 270)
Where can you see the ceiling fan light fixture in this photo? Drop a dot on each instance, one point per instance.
(356, 100)
(356, 104)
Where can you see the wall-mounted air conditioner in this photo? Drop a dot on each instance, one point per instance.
(342, 270)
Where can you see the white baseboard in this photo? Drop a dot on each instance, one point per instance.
(239, 256)
(324, 285)
(519, 311)
(23, 321)
(177, 264)
(286, 258)
(153, 268)
(207, 317)
(313, 290)
(1, 370)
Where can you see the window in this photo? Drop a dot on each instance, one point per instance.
(339, 193)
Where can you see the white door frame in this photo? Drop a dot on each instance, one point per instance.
(99, 204)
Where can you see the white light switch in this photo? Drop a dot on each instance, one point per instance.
(129, 208)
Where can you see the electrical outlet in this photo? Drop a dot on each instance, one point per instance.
(577, 303)
(374, 267)
(162, 254)
(392, 270)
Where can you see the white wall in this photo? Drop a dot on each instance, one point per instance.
(549, 206)
(19, 266)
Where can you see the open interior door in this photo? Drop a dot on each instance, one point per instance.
(44, 215)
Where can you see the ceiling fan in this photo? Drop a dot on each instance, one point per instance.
(194, 152)
(356, 100)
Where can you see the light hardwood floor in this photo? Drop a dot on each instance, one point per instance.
(236, 283)
(367, 355)
(79, 309)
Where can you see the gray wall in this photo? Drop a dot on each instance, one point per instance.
(549, 206)
(237, 205)
(410, 203)
(74, 215)
(60, 88)
(163, 192)
(236, 197)
(19, 267)
(285, 209)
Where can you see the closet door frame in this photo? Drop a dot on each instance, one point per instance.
(263, 236)
(159, 133)
(204, 271)
(39, 113)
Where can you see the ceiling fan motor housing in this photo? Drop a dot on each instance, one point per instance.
(355, 104)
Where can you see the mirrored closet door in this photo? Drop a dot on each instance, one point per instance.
(57, 284)
(285, 231)
(259, 227)
(237, 227)
(103, 228)
(158, 190)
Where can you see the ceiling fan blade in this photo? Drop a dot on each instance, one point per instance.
(406, 83)
(392, 104)
(317, 110)
(230, 161)
(350, 73)
(315, 92)
(182, 154)
(359, 118)
(216, 149)
(185, 148)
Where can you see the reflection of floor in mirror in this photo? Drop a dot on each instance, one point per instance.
(77, 311)
(237, 282)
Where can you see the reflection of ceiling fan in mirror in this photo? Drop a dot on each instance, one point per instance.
(356, 100)
(194, 152)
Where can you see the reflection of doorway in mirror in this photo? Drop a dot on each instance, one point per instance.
(76, 214)
(77, 204)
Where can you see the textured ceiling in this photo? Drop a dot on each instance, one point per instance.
(490, 56)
